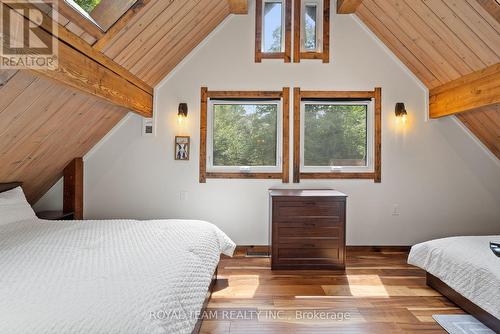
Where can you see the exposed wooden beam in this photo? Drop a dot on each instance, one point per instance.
(86, 69)
(474, 90)
(73, 188)
(238, 6)
(347, 6)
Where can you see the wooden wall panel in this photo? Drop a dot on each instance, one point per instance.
(485, 124)
(442, 40)
(43, 126)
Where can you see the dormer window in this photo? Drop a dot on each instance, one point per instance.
(310, 41)
(273, 29)
(86, 5)
(273, 24)
(311, 30)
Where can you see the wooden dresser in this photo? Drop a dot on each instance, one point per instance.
(307, 229)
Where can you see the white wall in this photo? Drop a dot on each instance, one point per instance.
(441, 178)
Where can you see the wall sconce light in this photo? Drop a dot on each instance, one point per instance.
(400, 112)
(182, 112)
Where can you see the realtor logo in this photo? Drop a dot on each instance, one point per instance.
(27, 35)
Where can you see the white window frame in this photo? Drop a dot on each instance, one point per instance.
(370, 140)
(244, 169)
(263, 39)
(319, 25)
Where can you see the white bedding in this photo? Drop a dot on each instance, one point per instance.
(120, 276)
(466, 264)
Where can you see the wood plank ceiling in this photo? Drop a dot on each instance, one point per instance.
(442, 40)
(44, 125)
(162, 34)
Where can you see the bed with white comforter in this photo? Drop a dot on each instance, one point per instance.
(466, 264)
(115, 276)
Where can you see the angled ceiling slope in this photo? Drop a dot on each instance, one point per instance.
(441, 41)
(45, 124)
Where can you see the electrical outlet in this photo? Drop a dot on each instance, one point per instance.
(395, 210)
(183, 195)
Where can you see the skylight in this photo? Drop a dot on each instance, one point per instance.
(103, 13)
(87, 5)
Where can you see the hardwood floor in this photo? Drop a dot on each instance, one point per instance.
(377, 293)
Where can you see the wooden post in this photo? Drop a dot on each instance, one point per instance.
(73, 188)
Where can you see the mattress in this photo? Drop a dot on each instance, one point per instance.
(115, 276)
(466, 264)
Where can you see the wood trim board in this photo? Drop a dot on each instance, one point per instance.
(73, 188)
(296, 134)
(265, 250)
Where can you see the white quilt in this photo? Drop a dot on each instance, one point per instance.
(119, 276)
(466, 264)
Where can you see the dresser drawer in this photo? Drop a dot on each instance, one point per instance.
(311, 223)
(307, 208)
(303, 230)
(307, 253)
(301, 242)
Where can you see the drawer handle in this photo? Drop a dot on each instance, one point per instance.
(310, 224)
(309, 245)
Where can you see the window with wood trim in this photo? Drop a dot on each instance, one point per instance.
(244, 134)
(273, 29)
(337, 135)
(311, 30)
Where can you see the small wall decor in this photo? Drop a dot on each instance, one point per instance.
(181, 147)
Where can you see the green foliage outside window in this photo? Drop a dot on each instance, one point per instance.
(245, 135)
(310, 28)
(335, 135)
(87, 5)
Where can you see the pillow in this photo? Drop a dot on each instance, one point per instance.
(14, 207)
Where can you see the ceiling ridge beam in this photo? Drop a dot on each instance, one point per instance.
(471, 91)
(238, 6)
(347, 6)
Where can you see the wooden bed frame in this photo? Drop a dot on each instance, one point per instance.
(197, 327)
(9, 186)
(465, 304)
